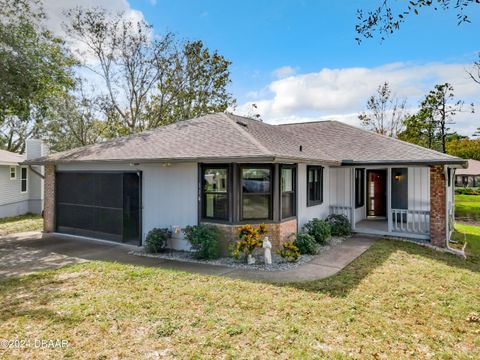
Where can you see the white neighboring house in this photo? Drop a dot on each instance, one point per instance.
(21, 186)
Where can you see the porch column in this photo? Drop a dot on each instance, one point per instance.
(389, 199)
(438, 207)
(49, 199)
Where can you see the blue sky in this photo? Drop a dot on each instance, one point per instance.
(261, 36)
(298, 60)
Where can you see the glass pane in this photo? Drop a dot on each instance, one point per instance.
(256, 180)
(470, 181)
(288, 205)
(216, 206)
(256, 206)
(215, 180)
(287, 180)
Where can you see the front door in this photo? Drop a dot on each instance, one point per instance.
(377, 193)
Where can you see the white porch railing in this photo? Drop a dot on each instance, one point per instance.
(411, 221)
(342, 210)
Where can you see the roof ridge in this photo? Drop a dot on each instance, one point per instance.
(396, 140)
(262, 147)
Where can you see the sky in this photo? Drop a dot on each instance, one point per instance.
(298, 60)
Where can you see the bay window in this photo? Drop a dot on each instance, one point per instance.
(256, 194)
(287, 188)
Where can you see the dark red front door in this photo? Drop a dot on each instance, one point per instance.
(377, 192)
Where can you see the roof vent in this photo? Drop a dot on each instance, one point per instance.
(301, 148)
(242, 124)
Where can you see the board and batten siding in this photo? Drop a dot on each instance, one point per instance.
(340, 186)
(419, 188)
(306, 213)
(169, 194)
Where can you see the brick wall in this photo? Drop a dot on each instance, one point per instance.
(49, 199)
(277, 233)
(438, 205)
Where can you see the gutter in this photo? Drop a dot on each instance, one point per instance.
(461, 162)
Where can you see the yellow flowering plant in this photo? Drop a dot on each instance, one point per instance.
(289, 252)
(250, 238)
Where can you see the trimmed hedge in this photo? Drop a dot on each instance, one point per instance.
(319, 229)
(340, 225)
(204, 241)
(156, 240)
(307, 244)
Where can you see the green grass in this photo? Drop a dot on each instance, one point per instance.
(398, 300)
(467, 207)
(22, 223)
(469, 234)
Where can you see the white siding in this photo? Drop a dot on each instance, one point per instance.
(306, 213)
(12, 201)
(419, 188)
(169, 194)
(341, 186)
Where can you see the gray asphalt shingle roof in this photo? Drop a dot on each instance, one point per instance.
(10, 158)
(472, 169)
(219, 136)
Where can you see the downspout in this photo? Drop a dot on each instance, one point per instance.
(448, 232)
(36, 172)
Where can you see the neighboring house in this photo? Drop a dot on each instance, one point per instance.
(469, 177)
(21, 188)
(228, 170)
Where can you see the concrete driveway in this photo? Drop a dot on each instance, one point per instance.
(30, 252)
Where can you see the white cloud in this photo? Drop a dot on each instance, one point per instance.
(284, 72)
(342, 93)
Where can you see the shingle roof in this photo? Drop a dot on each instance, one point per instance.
(472, 169)
(218, 137)
(10, 158)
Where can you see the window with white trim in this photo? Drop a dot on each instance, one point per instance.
(13, 172)
(23, 179)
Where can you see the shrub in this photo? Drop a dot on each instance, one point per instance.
(156, 240)
(319, 229)
(339, 225)
(467, 191)
(204, 241)
(306, 244)
(289, 252)
(250, 238)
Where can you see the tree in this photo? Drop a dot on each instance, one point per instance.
(73, 121)
(34, 67)
(386, 19)
(429, 127)
(150, 80)
(195, 84)
(474, 74)
(464, 148)
(385, 112)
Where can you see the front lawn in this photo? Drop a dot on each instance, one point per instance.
(470, 234)
(398, 300)
(22, 223)
(467, 208)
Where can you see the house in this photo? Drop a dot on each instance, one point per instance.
(469, 177)
(229, 170)
(21, 186)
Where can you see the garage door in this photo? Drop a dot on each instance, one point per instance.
(100, 205)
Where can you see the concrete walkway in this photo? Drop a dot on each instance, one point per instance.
(30, 252)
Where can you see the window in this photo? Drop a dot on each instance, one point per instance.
(256, 193)
(314, 185)
(13, 172)
(23, 179)
(288, 190)
(215, 192)
(359, 188)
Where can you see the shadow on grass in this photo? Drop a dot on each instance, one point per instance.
(341, 284)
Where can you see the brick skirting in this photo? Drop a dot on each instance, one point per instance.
(278, 233)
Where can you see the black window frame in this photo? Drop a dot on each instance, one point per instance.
(23, 180)
(270, 193)
(319, 190)
(360, 188)
(293, 191)
(229, 184)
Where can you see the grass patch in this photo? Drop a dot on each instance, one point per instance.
(470, 234)
(22, 223)
(398, 300)
(467, 207)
